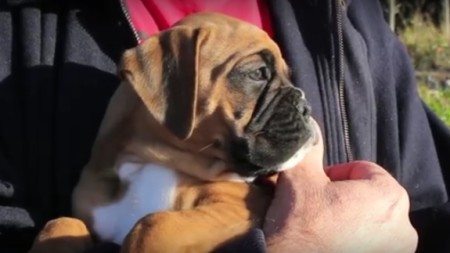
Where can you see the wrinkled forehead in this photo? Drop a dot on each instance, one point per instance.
(229, 37)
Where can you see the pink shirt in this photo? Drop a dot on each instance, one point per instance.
(151, 16)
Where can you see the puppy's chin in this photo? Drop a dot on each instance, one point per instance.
(301, 153)
(294, 160)
(219, 171)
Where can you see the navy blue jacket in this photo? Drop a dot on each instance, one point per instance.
(58, 63)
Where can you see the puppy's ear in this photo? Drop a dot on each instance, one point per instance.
(163, 72)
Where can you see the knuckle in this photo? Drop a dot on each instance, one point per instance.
(368, 165)
(400, 195)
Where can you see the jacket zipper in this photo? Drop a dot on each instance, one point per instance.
(126, 13)
(341, 80)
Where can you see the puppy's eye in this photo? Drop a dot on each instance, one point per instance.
(260, 74)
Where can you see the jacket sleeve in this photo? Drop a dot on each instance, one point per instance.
(441, 136)
(433, 224)
(16, 223)
(424, 141)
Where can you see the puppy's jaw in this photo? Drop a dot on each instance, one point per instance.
(219, 171)
(301, 153)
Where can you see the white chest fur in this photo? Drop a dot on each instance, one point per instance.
(149, 188)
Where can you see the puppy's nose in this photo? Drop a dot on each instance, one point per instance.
(297, 96)
(305, 110)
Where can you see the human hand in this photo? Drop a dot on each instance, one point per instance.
(353, 207)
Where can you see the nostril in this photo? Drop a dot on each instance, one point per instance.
(306, 111)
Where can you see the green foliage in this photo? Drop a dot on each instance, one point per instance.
(406, 10)
(438, 100)
(427, 45)
(429, 49)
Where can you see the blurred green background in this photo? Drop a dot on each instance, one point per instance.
(424, 27)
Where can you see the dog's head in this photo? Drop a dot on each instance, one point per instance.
(222, 88)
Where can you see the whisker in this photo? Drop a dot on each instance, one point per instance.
(205, 147)
(258, 133)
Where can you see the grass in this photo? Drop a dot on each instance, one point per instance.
(438, 100)
(429, 49)
(427, 44)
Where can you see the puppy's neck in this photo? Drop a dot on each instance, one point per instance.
(150, 142)
(129, 131)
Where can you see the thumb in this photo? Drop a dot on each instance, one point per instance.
(311, 167)
(291, 183)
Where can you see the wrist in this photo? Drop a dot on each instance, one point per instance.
(299, 242)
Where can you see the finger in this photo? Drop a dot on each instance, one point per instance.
(377, 179)
(356, 170)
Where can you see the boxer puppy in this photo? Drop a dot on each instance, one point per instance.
(203, 109)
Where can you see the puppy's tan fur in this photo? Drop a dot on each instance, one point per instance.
(148, 121)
